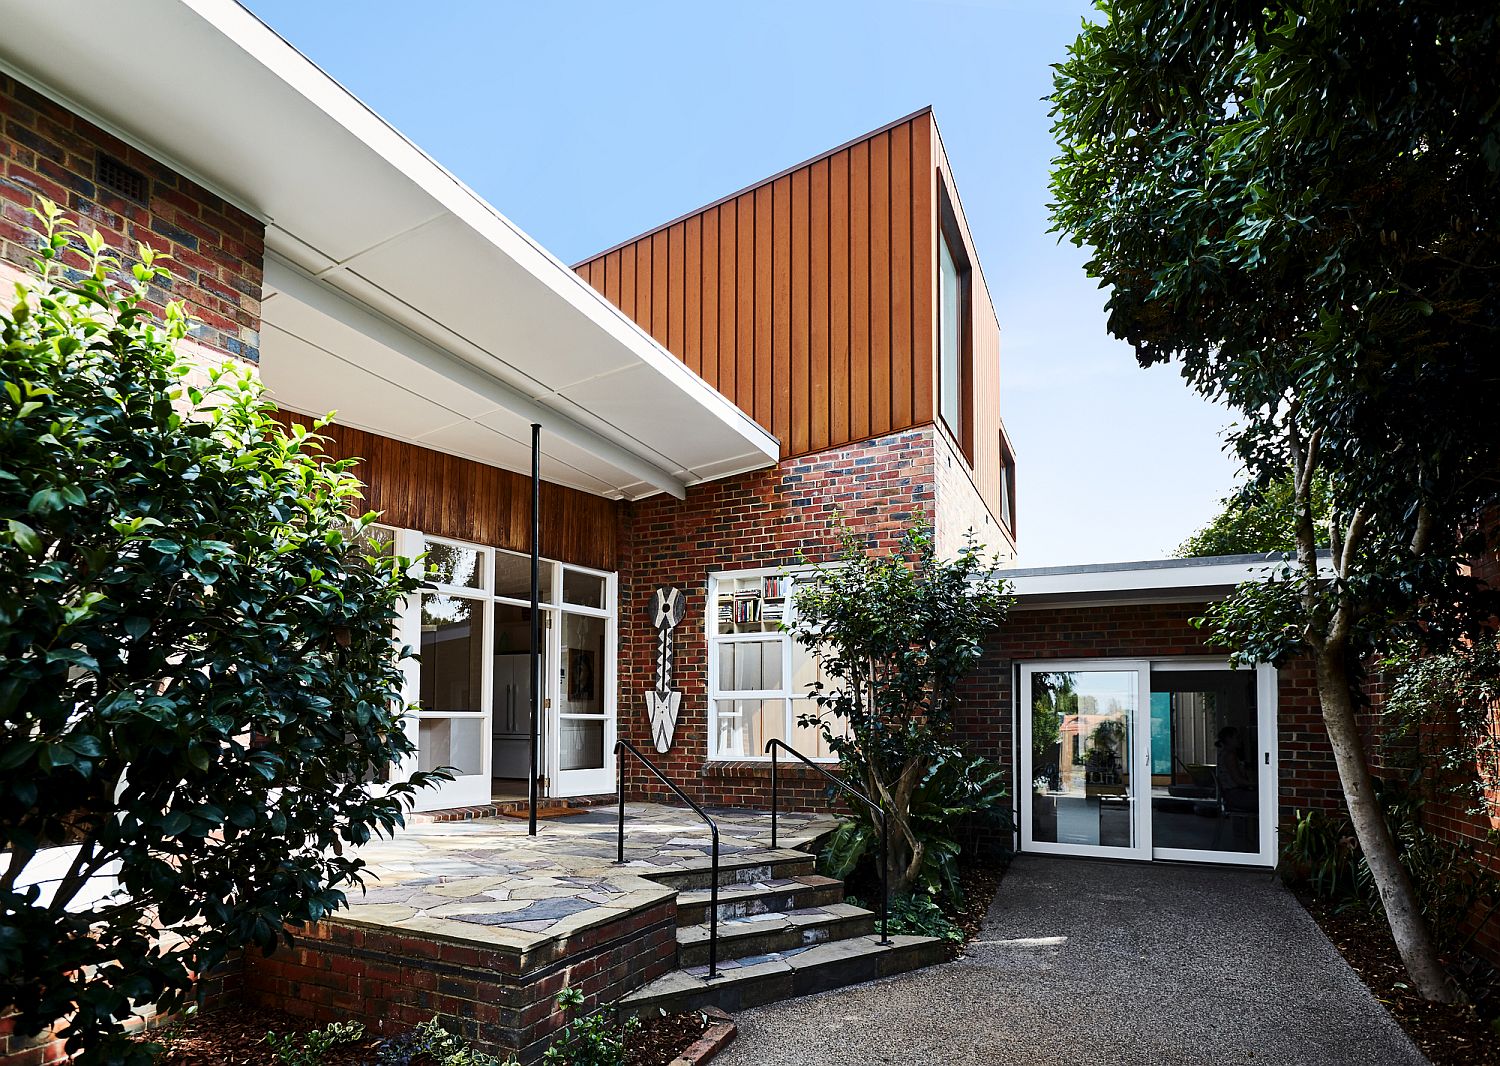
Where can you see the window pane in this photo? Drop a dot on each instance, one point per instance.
(746, 725)
(456, 742)
(581, 743)
(1081, 727)
(805, 670)
(513, 577)
(452, 654)
(809, 739)
(1205, 765)
(950, 337)
(454, 564)
(750, 666)
(583, 665)
(1005, 517)
(586, 590)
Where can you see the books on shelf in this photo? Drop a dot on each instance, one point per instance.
(746, 607)
(776, 588)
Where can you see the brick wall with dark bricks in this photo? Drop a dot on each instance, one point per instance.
(217, 251)
(223, 986)
(768, 518)
(500, 1001)
(984, 721)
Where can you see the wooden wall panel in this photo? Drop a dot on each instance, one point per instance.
(418, 488)
(806, 299)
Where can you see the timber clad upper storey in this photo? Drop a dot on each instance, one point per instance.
(812, 300)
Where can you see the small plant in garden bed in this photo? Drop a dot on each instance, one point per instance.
(918, 915)
(311, 1049)
(429, 1044)
(594, 1039)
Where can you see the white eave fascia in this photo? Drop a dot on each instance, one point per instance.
(321, 90)
(1147, 581)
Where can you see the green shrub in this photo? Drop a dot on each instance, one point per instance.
(594, 1039)
(917, 915)
(895, 634)
(197, 675)
(429, 1044)
(1448, 879)
(312, 1048)
(956, 792)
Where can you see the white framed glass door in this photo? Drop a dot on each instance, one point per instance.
(1213, 762)
(582, 701)
(1084, 737)
(449, 626)
(1168, 759)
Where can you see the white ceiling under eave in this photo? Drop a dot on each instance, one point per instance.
(394, 294)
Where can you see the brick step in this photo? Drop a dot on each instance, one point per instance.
(774, 931)
(749, 868)
(757, 979)
(760, 897)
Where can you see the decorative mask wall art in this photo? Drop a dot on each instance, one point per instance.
(667, 607)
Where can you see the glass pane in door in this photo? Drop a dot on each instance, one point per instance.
(1205, 781)
(583, 691)
(1082, 725)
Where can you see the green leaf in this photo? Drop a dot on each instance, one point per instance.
(24, 537)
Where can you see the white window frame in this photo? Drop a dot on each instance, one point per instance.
(786, 693)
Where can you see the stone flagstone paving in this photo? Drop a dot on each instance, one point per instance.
(488, 882)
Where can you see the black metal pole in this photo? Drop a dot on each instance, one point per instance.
(620, 788)
(713, 910)
(885, 878)
(773, 793)
(536, 623)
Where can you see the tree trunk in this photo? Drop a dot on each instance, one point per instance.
(1408, 927)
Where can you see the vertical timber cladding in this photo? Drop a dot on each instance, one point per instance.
(446, 496)
(807, 299)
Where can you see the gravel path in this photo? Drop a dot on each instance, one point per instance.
(1102, 963)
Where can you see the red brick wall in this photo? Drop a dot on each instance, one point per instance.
(217, 250)
(1308, 777)
(762, 519)
(498, 1000)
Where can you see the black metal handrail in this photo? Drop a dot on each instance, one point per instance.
(885, 862)
(621, 744)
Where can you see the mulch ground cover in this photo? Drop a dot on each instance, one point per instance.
(980, 883)
(235, 1035)
(665, 1036)
(1449, 1035)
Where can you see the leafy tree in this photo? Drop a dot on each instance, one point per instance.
(894, 635)
(198, 686)
(1258, 519)
(1297, 203)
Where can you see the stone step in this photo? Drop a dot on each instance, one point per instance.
(758, 865)
(760, 897)
(757, 979)
(762, 934)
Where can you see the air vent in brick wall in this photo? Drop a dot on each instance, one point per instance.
(117, 177)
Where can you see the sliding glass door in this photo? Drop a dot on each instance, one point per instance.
(1172, 759)
(1081, 729)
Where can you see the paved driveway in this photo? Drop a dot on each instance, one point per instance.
(1098, 963)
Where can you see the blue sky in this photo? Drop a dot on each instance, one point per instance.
(586, 123)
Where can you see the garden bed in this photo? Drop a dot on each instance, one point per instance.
(235, 1035)
(1449, 1035)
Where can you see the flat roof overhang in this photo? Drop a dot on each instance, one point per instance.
(1146, 581)
(394, 294)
